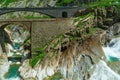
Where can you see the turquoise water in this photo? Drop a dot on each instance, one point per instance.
(112, 51)
(13, 73)
(111, 58)
(16, 46)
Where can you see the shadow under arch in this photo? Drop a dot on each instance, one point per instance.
(2, 26)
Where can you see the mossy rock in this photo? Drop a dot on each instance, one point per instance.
(56, 76)
(30, 79)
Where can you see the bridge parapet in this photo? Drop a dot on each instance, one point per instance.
(57, 12)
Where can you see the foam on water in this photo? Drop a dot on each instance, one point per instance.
(112, 51)
(104, 72)
(15, 78)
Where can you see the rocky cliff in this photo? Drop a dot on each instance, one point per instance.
(74, 55)
(78, 54)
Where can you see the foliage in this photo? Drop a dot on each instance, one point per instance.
(102, 3)
(80, 19)
(91, 31)
(64, 2)
(27, 41)
(38, 58)
(7, 2)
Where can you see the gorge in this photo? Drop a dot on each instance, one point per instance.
(86, 48)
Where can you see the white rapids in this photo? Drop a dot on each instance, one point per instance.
(104, 72)
(112, 51)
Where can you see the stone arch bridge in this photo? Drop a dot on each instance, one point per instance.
(57, 12)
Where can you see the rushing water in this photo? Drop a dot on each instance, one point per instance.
(13, 73)
(112, 51)
(104, 72)
(101, 70)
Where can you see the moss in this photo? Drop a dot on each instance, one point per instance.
(83, 17)
(56, 76)
(91, 31)
(59, 42)
(80, 24)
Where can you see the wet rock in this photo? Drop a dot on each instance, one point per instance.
(26, 71)
(103, 72)
(4, 64)
(115, 28)
(114, 66)
(113, 31)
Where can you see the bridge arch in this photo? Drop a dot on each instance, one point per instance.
(16, 34)
(47, 14)
(55, 12)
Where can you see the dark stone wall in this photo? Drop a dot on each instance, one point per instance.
(45, 31)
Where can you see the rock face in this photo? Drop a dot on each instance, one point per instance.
(115, 28)
(4, 64)
(106, 16)
(72, 59)
(103, 72)
(113, 31)
(27, 72)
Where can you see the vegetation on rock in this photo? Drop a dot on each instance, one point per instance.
(103, 3)
(63, 2)
(38, 58)
(56, 76)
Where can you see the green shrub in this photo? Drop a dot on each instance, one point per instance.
(7, 2)
(38, 58)
(102, 3)
(64, 2)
